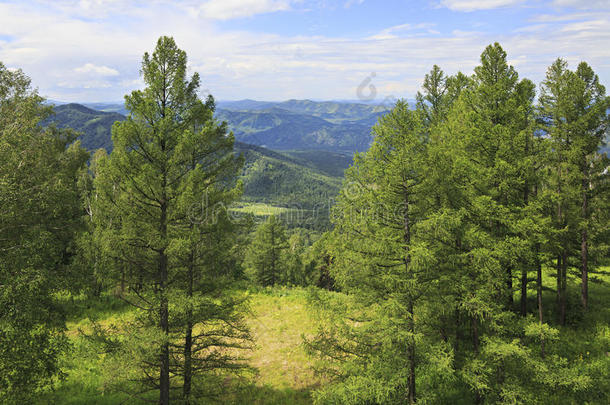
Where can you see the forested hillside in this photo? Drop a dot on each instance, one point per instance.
(299, 179)
(462, 256)
(95, 126)
(276, 128)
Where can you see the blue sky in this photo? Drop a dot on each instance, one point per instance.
(90, 50)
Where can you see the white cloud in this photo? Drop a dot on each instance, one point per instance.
(473, 5)
(350, 3)
(229, 9)
(49, 42)
(584, 4)
(394, 31)
(97, 70)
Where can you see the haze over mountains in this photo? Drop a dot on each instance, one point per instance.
(313, 143)
(294, 124)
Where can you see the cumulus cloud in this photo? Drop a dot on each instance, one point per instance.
(229, 9)
(473, 5)
(585, 4)
(49, 43)
(90, 68)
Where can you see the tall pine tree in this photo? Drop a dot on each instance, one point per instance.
(160, 216)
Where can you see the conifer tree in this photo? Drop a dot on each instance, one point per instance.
(266, 255)
(381, 264)
(574, 112)
(39, 221)
(161, 194)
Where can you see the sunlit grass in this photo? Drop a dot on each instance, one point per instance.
(280, 319)
(260, 209)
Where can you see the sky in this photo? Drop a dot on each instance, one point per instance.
(368, 50)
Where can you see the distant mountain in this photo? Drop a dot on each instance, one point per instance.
(108, 107)
(287, 125)
(241, 105)
(303, 124)
(332, 111)
(298, 179)
(277, 128)
(278, 179)
(94, 125)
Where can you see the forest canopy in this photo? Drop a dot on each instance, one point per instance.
(465, 259)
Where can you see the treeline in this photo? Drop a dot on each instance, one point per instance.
(140, 222)
(147, 224)
(461, 206)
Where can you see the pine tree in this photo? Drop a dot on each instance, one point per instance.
(382, 265)
(39, 221)
(161, 196)
(267, 253)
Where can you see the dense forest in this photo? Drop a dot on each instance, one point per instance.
(462, 257)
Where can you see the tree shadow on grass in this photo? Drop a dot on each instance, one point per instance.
(268, 395)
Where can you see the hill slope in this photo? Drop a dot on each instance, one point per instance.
(300, 179)
(277, 128)
(278, 179)
(94, 125)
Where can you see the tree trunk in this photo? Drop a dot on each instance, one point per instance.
(584, 270)
(164, 324)
(524, 268)
(411, 354)
(188, 339)
(475, 335)
(564, 282)
(458, 331)
(539, 294)
(509, 288)
(558, 298)
(163, 308)
(559, 255)
(524, 292)
(584, 250)
(475, 344)
(411, 323)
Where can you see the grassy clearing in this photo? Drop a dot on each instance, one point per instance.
(260, 209)
(280, 318)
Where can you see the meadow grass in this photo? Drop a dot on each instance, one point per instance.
(260, 209)
(280, 319)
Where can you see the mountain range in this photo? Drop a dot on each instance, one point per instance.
(302, 177)
(293, 124)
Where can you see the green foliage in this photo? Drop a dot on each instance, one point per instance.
(95, 126)
(452, 203)
(160, 217)
(266, 256)
(380, 260)
(39, 220)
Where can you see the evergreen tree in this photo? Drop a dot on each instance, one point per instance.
(295, 268)
(266, 256)
(574, 113)
(382, 264)
(161, 197)
(39, 221)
